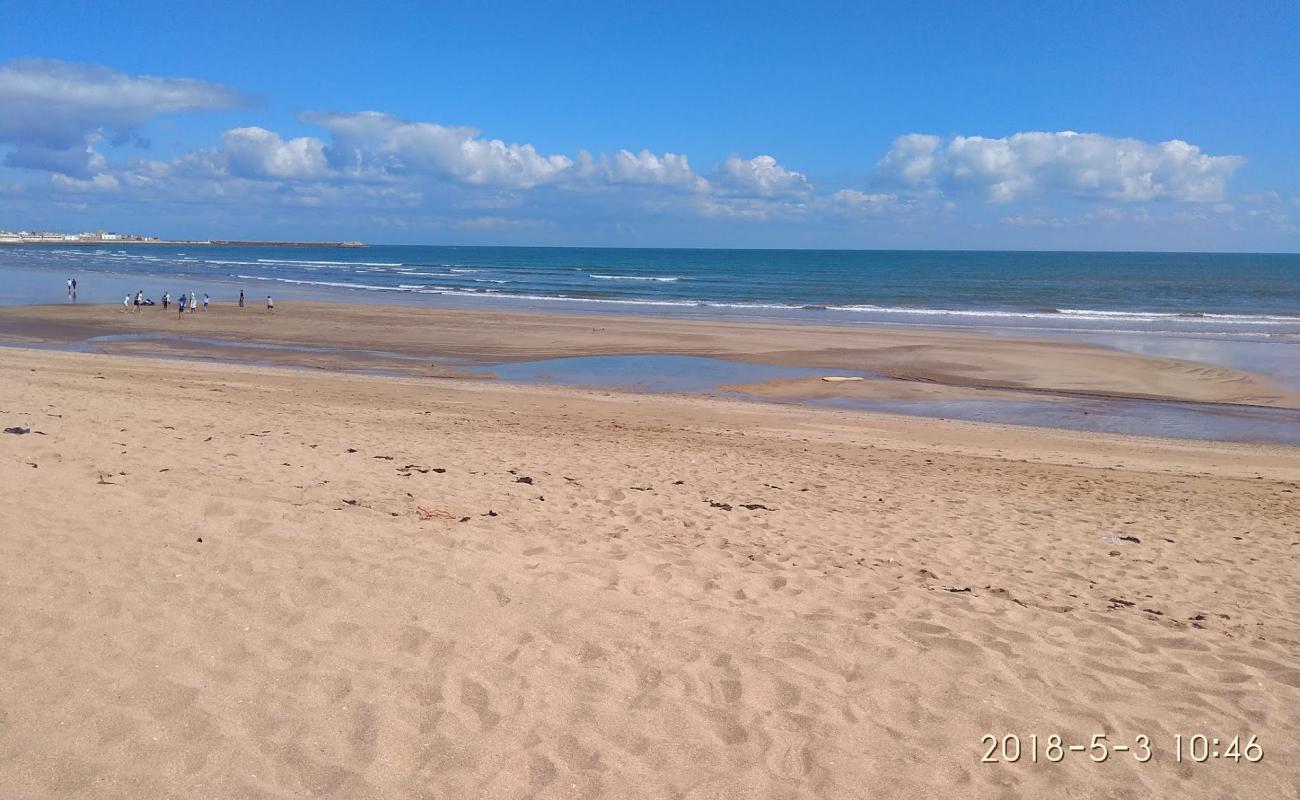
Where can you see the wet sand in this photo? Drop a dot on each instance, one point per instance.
(959, 361)
(216, 580)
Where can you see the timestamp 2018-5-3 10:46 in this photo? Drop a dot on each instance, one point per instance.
(1196, 748)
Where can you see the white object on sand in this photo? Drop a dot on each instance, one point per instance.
(840, 378)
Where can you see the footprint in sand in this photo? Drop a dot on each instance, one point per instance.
(474, 695)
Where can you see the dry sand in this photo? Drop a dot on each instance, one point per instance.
(648, 597)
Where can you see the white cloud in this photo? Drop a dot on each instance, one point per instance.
(644, 167)
(1107, 214)
(1029, 221)
(911, 160)
(1085, 165)
(259, 153)
(761, 176)
(372, 142)
(747, 208)
(100, 183)
(52, 111)
(854, 200)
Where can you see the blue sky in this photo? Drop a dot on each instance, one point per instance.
(1040, 126)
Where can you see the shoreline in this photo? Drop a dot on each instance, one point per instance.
(181, 243)
(959, 360)
(411, 275)
(917, 372)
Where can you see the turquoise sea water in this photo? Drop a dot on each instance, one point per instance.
(1228, 293)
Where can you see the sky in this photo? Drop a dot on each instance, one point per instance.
(1098, 126)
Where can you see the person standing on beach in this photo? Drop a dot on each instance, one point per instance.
(126, 303)
(139, 300)
(194, 302)
(180, 307)
(205, 301)
(165, 298)
(69, 287)
(270, 306)
(74, 289)
(241, 298)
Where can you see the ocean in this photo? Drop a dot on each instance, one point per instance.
(1255, 294)
(1233, 310)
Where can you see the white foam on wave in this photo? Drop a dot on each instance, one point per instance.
(665, 279)
(329, 263)
(335, 284)
(921, 313)
(1078, 314)
(1242, 319)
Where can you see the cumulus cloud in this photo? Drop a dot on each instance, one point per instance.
(57, 117)
(854, 200)
(51, 112)
(99, 183)
(643, 168)
(1085, 165)
(761, 176)
(376, 143)
(911, 160)
(259, 153)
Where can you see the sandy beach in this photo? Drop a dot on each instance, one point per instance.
(431, 342)
(233, 581)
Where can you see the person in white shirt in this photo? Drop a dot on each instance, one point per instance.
(270, 306)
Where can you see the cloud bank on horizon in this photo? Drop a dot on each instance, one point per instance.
(378, 172)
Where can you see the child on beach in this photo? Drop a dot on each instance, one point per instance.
(126, 303)
(194, 302)
(270, 306)
(205, 301)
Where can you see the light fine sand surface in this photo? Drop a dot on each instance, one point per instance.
(217, 581)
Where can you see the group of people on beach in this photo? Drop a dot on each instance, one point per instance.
(133, 303)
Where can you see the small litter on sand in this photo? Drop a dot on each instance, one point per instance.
(435, 513)
(840, 378)
(18, 431)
